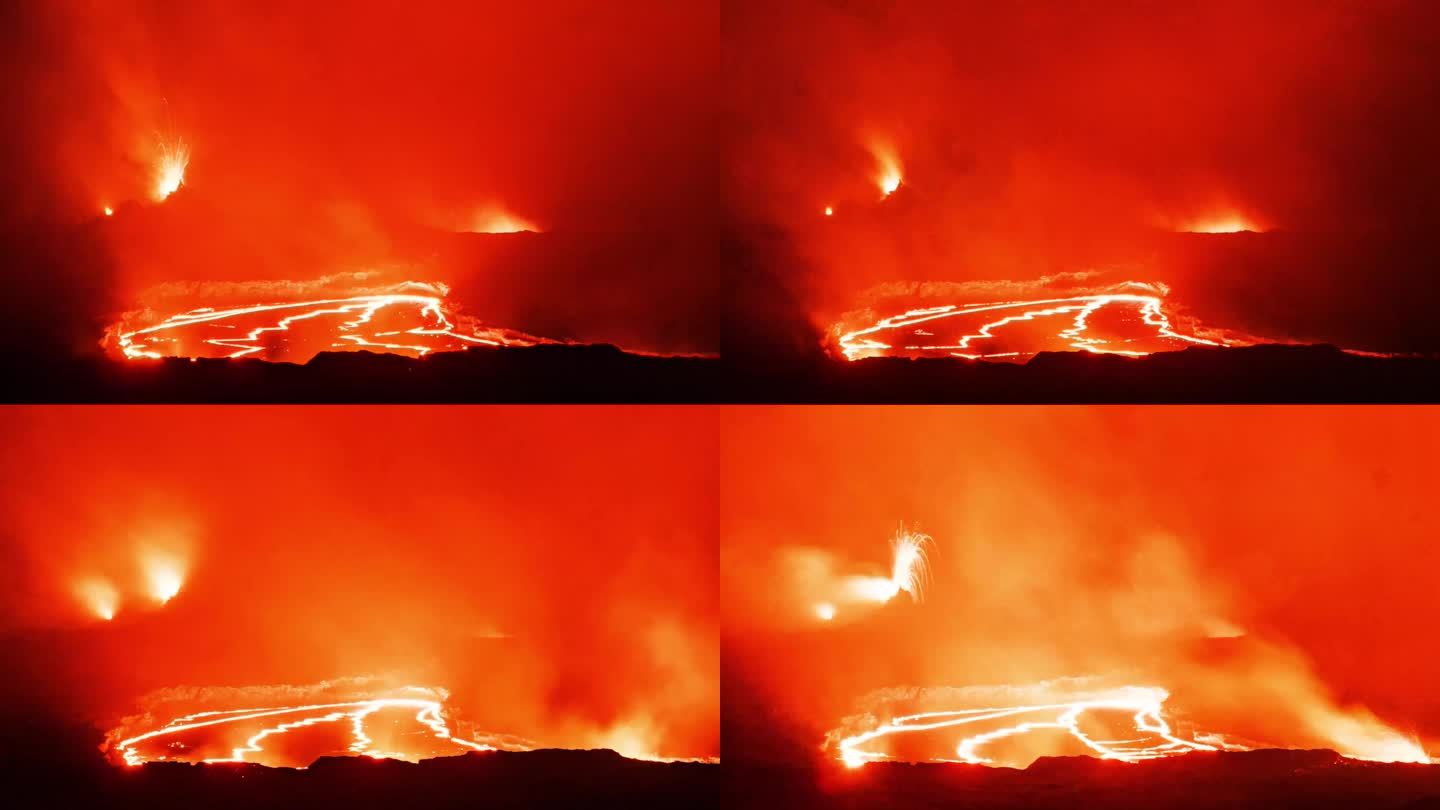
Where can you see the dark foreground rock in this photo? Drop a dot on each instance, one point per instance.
(499, 779)
(563, 374)
(1237, 780)
(1264, 374)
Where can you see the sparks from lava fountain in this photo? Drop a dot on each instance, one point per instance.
(909, 573)
(427, 714)
(859, 343)
(1146, 704)
(910, 570)
(170, 171)
(145, 342)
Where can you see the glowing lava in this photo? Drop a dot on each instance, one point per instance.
(99, 596)
(910, 569)
(909, 572)
(1230, 224)
(164, 575)
(259, 725)
(170, 172)
(493, 219)
(1134, 325)
(1151, 738)
(403, 324)
(109, 211)
(888, 168)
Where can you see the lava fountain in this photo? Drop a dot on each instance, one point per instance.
(909, 573)
(170, 170)
(888, 169)
(99, 596)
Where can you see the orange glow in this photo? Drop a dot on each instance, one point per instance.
(1143, 328)
(829, 212)
(494, 219)
(1226, 224)
(164, 575)
(109, 211)
(400, 324)
(887, 166)
(825, 611)
(99, 596)
(170, 170)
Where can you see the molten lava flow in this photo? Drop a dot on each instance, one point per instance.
(403, 324)
(170, 171)
(1152, 737)
(1139, 327)
(275, 722)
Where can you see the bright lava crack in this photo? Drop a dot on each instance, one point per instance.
(360, 329)
(427, 714)
(1077, 336)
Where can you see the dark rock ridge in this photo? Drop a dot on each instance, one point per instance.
(601, 373)
(1238, 780)
(490, 779)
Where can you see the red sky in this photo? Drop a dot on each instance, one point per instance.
(552, 568)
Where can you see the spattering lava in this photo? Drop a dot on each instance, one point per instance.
(909, 573)
(1150, 738)
(170, 170)
(414, 325)
(1119, 323)
(181, 737)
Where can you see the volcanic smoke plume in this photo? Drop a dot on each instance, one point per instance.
(276, 585)
(548, 168)
(1263, 172)
(1121, 583)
